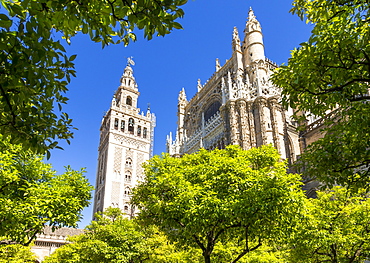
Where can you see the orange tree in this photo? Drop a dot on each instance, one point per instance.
(335, 228)
(220, 196)
(331, 72)
(32, 195)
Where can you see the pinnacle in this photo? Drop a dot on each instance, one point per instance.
(250, 14)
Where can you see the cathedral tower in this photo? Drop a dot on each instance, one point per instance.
(254, 49)
(126, 140)
(238, 104)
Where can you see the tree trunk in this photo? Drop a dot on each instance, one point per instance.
(207, 256)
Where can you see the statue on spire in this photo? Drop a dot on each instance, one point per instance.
(130, 61)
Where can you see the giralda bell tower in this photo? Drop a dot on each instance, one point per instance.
(126, 141)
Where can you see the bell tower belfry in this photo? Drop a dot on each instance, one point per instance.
(126, 140)
(127, 93)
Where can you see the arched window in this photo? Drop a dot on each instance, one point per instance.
(129, 162)
(128, 176)
(139, 130)
(129, 100)
(212, 110)
(116, 124)
(127, 191)
(144, 133)
(122, 125)
(131, 124)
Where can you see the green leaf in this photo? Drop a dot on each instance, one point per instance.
(5, 22)
(71, 58)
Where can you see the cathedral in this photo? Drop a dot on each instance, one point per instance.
(238, 104)
(126, 141)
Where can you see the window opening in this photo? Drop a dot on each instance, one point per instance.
(212, 110)
(128, 178)
(144, 133)
(116, 124)
(131, 124)
(129, 162)
(127, 191)
(129, 100)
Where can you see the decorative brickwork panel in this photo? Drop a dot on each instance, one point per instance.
(131, 142)
(117, 160)
(129, 154)
(116, 187)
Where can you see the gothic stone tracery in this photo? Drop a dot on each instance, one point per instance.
(237, 105)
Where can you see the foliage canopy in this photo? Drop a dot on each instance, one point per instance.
(114, 238)
(334, 229)
(212, 196)
(35, 69)
(330, 73)
(32, 195)
(16, 253)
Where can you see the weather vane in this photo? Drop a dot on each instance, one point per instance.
(130, 61)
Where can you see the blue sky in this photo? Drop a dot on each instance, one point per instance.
(164, 65)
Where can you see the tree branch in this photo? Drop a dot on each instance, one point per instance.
(356, 253)
(12, 113)
(338, 88)
(365, 162)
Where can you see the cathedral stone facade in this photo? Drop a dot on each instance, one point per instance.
(237, 105)
(126, 141)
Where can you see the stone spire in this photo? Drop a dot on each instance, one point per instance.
(252, 23)
(218, 66)
(199, 85)
(254, 49)
(236, 40)
(180, 115)
(182, 96)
